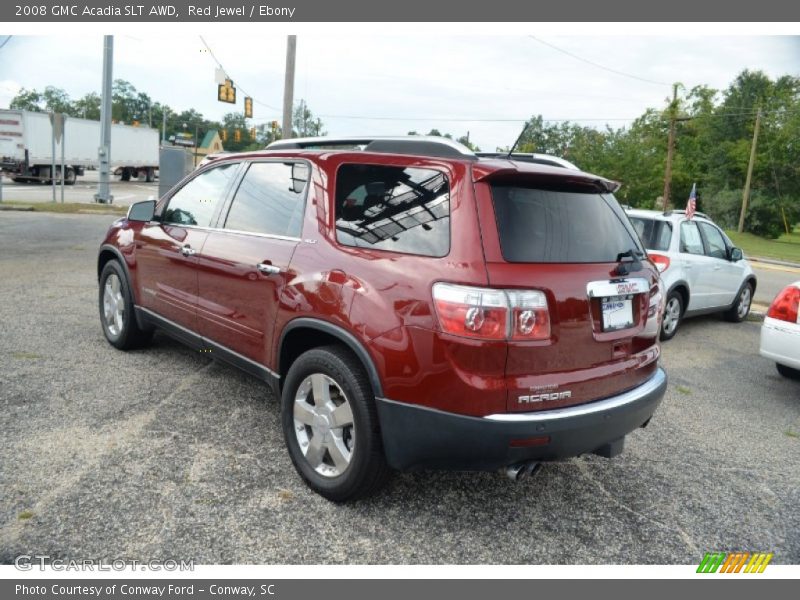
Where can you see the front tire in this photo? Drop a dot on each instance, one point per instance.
(788, 372)
(116, 310)
(330, 425)
(741, 308)
(673, 313)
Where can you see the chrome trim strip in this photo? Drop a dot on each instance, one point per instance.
(599, 406)
(158, 317)
(271, 236)
(636, 285)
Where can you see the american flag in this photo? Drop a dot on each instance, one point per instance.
(691, 204)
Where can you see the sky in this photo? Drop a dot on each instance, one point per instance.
(484, 85)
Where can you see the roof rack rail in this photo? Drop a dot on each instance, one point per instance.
(413, 144)
(531, 157)
(697, 213)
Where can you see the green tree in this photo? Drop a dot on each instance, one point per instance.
(304, 124)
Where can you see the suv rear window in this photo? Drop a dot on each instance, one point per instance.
(393, 208)
(654, 233)
(553, 226)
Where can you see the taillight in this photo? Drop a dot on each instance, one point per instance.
(660, 261)
(487, 313)
(656, 306)
(786, 305)
(530, 319)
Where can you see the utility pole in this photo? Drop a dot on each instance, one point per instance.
(288, 85)
(164, 126)
(746, 194)
(103, 194)
(673, 109)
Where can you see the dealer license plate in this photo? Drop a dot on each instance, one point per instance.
(617, 312)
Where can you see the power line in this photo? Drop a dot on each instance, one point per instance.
(594, 64)
(219, 64)
(5, 41)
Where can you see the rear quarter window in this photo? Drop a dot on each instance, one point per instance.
(554, 226)
(399, 209)
(654, 233)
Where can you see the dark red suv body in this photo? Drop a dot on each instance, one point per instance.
(492, 312)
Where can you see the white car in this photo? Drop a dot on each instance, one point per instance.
(703, 272)
(780, 333)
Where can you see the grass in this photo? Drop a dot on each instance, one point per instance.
(26, 355)
(25, 515)
(786, 247)
(792, 434)
(66, 208)
(683, 390)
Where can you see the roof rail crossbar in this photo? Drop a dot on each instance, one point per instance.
(683, 212)
(417, 144)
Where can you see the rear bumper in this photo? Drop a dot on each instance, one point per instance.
(416, 437)
(780, 341)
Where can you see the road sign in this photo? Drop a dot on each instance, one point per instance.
(226, 92)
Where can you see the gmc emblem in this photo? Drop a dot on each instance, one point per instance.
(532, 398)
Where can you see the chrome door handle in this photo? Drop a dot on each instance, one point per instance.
(187, 250)
(268, 269)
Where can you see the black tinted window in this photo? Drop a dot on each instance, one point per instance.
(270, 199)
(548, 226)
(393, 208)
(197, 201)
(655, 234)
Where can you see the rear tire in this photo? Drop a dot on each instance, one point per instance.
(150, 175)
(116, 310)
(126, 174)
(788, 372)
(334, 441)
(69, 178)
(741, 308)
(673, 313)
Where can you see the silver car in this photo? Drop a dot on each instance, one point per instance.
(703, 272)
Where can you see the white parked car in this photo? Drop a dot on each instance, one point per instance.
(703, 272)
(780, 333)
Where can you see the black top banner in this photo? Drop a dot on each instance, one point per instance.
(402, 11)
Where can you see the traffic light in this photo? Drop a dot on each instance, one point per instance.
(248, 108)
(252, 133)
(224, 135)
(226, 92)
(274, 125)
(237, 135)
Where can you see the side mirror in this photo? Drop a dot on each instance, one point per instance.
(736, 254)
(142, 211)
(299, 177)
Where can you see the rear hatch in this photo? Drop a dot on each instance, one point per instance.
(565, 235)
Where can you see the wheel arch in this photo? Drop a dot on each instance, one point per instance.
(682, 287)
(108, 253)
(305, 333)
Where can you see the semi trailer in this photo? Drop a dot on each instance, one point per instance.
(26, 148)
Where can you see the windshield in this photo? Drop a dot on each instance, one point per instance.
(655, 234)
(554, 226)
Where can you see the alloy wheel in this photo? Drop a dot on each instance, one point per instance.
(113, 305)
(323, 425)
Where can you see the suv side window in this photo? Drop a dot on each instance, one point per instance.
(691, 242)
(400, 209)
(197, 201)
(716, 243)
(270, 199)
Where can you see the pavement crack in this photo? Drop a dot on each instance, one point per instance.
(675, 529)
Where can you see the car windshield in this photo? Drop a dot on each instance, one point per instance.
(654, 233)
(556, 226)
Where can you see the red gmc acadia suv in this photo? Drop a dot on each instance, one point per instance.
(412, 304)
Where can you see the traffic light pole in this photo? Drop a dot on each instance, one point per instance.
(103, 194)
(288, 86)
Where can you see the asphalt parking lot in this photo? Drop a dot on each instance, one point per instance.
(162, 453)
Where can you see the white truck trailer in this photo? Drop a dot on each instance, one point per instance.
(26, 148)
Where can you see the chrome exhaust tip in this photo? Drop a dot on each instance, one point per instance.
(520, 471)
